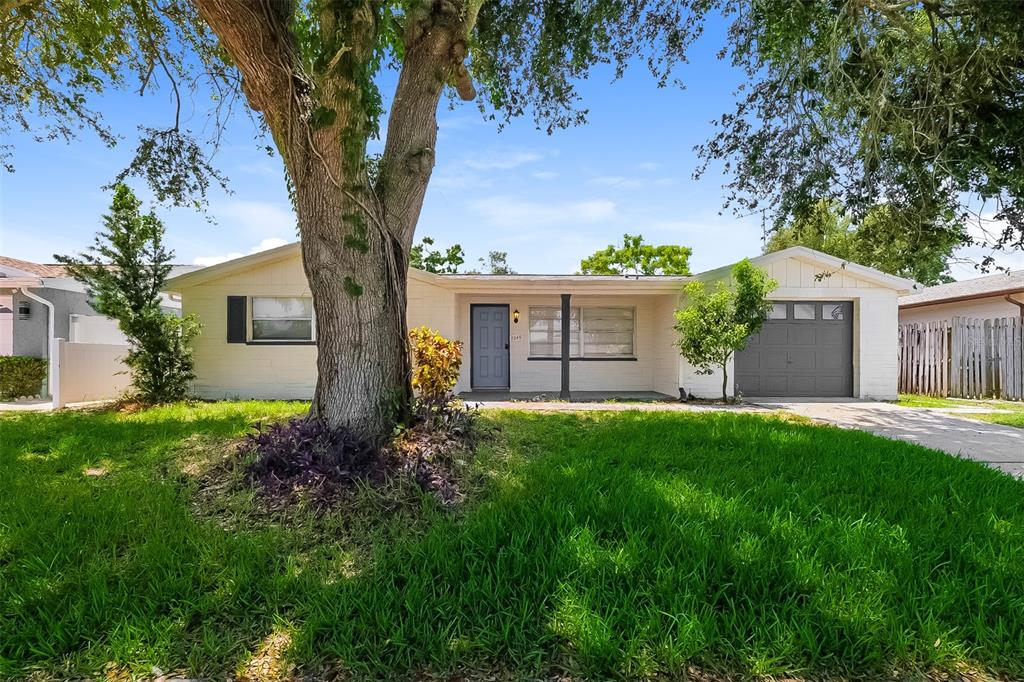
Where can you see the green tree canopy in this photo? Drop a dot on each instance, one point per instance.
(885, 238)
(497, 263)
(914, 104)
(715, 324)
(635, 257)
(424, 257)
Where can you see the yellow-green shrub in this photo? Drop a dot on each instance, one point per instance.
(21, 376)
(436, 362)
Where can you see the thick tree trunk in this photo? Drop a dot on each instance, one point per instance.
(360, 298)
(356, 233)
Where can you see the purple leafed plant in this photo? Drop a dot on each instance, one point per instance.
(306, 452)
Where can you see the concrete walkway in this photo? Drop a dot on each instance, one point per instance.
(1001, 447)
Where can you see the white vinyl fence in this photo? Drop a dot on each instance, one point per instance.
(963, 358)
(84, 372)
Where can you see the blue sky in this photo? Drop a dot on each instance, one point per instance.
(548, 201)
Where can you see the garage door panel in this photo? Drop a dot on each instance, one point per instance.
(805, 357)
(773, 335)
(831, 386)
(773, 358)
(801, 360)
(752, 381)
(803, 385)
(803, 335)
(832, 334)
(772, 384)
(832, 361)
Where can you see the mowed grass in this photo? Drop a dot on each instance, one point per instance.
(1011, 413)
(620, 544)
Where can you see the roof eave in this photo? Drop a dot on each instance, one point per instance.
(965, 297)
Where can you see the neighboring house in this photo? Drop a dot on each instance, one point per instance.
(31, 292)
(832, 330)
(999, 295)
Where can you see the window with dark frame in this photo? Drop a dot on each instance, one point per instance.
(280, 318)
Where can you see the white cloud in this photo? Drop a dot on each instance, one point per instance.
(617, 181)
(623, 182)
(648, 166)
(449, 178)
(545, 175)
(258, 217)
(510, 212)
(499, 160)
(271, 243)
(263, 167)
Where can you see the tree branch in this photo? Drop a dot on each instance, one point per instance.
(256, 35)
(435, 47)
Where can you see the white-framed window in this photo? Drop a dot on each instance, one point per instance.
(595, 332)
(804, 311)
(281, 318)
(546, 331)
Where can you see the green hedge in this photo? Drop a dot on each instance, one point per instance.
(21, 376)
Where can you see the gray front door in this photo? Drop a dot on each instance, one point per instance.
(805, 349)
(489, 341)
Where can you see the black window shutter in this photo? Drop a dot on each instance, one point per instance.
(236, 319)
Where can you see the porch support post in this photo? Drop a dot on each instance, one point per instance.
(566, 333)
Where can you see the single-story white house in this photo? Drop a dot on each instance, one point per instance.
(832, 330)
(992, 296)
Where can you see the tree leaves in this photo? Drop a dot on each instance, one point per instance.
(916, 105)
(636, 258)
(715, 324)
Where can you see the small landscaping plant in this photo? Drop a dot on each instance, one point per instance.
(306, 454)
(436, 363)
(21, 376)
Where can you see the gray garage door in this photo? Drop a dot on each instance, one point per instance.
(804, 349)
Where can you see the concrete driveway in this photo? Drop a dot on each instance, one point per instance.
(998, 446)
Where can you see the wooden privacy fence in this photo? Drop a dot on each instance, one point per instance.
(963, 358)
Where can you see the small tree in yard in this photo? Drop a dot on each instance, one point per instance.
(124, 272)
(714, 325)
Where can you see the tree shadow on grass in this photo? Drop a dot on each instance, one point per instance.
(612, 545)
(634, 544)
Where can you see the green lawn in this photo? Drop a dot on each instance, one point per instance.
(616, 544)
(1011, 411)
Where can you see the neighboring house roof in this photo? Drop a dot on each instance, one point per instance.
(30, 268)
(59, 271)
(498, 283)
(1001, 284)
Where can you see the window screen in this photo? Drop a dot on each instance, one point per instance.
(282, 319)
(594, 332)
(608, 332)
(546, 332)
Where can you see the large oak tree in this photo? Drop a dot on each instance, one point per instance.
(311, 70)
